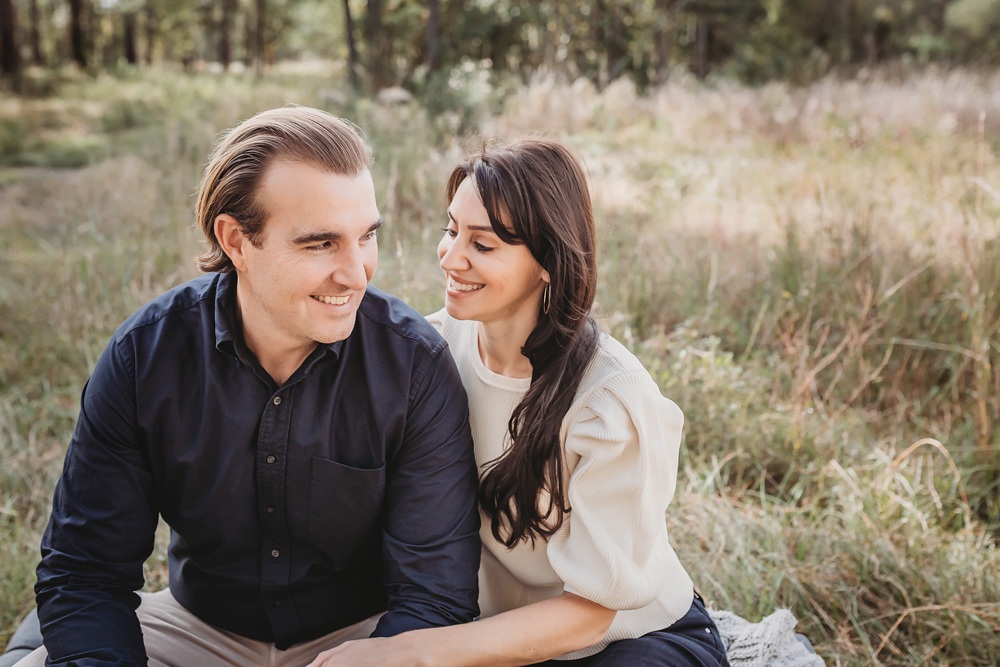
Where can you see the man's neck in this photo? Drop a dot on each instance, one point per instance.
(278, 355)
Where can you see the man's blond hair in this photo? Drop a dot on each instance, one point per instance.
(234, 173)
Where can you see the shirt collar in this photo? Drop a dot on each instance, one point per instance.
(229, 337)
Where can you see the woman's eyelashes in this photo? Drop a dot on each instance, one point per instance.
(453, 233)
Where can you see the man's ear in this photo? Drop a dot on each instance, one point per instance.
(232, 239)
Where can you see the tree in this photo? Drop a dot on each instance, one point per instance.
(150, 20)
(377, 70)
(260, 45)
(616, 55)
(10, 52)
(35, 33)
(129, 36)
(433, 23)
(76, 35)
(352, 49)
(225, 33)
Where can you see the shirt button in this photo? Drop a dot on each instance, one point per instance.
(270, 459)
(277, 603)
(277, 400)
(708, 630)
(270, 508)
(275, 554)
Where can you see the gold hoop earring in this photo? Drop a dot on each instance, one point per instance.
(545, 300)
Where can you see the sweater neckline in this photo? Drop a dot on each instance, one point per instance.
(487, 376)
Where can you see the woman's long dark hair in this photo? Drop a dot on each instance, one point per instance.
(539, 190)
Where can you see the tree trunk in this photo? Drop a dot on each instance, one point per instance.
(248, 40)
(661, 42)
(10, 53)
(352, 49)
(150, 34)
(433, 25)
(76, 36)
(261, 19)
(373, 37)
(35, 35)
(666, 36)
(131, 52)
(615, 54)
(701, 49)
(225, 33)
(597, 38)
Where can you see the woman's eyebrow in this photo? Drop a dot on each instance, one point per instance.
(474, 228)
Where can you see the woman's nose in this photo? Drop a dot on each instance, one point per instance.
(451, 256)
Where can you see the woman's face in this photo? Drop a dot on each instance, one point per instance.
(487, 280)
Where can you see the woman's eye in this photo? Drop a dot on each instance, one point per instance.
(482, 248)
(449, 231)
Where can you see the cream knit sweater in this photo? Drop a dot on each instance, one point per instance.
(620, 446)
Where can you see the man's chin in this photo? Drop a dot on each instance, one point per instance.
(341, 330)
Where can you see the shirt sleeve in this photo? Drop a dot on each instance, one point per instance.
(101, 530)
(431, 545)
(613, 548)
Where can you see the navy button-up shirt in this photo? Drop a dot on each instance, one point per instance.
(295, 510)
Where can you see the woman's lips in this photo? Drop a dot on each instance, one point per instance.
(457, 286)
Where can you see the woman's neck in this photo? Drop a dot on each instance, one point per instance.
(500, 346)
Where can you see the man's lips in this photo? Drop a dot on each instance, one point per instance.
(332, 300)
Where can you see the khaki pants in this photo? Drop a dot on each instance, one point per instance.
(174, 637)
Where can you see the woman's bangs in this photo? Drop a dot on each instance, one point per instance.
(489, 184)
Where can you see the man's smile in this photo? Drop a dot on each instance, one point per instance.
(332, 300)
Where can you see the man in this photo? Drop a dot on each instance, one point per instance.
(304, 435)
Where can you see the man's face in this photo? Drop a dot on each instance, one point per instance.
(318, 252)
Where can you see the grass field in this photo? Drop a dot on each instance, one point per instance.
(812, 274)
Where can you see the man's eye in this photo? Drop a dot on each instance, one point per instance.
(371, 236)
(320, 246)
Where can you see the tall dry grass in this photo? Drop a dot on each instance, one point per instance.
(811, 273)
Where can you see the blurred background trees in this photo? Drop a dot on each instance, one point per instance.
(405, 42)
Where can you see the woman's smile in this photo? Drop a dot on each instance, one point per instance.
(463, 287)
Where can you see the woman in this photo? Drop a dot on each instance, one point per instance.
(577, 448)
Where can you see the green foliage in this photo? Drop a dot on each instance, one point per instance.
(601, 40)
(976, 18)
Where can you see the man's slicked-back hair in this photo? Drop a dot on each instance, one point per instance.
(232, 179)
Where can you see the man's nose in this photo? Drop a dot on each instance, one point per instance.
(351, 271)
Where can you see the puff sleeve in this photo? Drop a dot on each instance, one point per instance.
(622, 449)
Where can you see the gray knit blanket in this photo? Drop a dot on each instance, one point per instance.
(770, 643)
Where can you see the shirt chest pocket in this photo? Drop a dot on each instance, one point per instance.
(345, 506)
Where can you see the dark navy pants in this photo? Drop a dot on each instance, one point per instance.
(692, 641)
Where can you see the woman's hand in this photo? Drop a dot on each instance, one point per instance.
(377, 652)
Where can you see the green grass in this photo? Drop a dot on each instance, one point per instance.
(812, 274)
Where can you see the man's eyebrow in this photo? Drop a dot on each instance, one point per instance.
(474, 228)
(310, 238)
